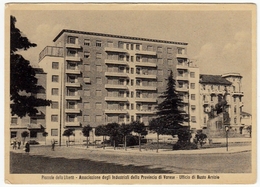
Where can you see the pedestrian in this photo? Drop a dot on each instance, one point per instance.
(52, 144)
(19, 144)
(27, 147)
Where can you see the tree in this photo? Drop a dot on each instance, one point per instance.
(68, 133)
(85, 131)
(113, 131)
(23, 82)
(45, 134)
(125, 129)
(101, 131)
(140, 129)
(169, 109)
(24, 134)
(156, 126)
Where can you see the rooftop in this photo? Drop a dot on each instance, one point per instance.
(117, 36)
(214, 79)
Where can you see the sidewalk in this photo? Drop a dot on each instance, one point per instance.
(220, 150)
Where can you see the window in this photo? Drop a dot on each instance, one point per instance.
(138, 118)
(86, 105)
(54, 118)
(132, 58)
(127, 58)
(99, 68)
(98, 105)
(149, 48)
(127, 46)
(55, 78)
(160, 61)
(138, 70)
(181, 50)
(138, 82)
(132, 118)
(86, 54)
(159, 49)
(98, 93)
(55, 105)
(138, 58)
(121, 45)
(192, 85)
(193, 107)
(71, 105)
(121, 119)
(132, 82)
(169, 50)
(33, 120)
(121, 106)
(193, 118)
(169, 62)
(33, 134)
(127, 94)
(13, 134)
(211, 98)
(192, 74)
(235, 120)
(87, 92)
(99, 80)
(204, 97)
(72, 39)
(98, 43)
(98, 55)
(54, 132)
(86, 118)
(132, 46)
(54, 91)
(121, 94)
(132, 94)
(72, 53)
(14, 120)
(137, 47)
(127, 118)
(160, 72)
(235, 110)
(132, 106)
(55, 65)
(192, 96)
(71, 118)
(234, 99)
(87, 67)
(110, 44)
(138, 93)
(87, 42)
(204, 87)
(205, 120)
(98, 118)
(160, 83)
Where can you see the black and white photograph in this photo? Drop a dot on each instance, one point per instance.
(130, 93)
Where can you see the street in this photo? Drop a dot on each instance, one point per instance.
(81, 160)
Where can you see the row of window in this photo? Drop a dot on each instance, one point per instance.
(128, 46)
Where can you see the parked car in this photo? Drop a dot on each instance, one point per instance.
(33, 142)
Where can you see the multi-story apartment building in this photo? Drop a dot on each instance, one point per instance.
(34, 125)
(213, 88)
(99, 78)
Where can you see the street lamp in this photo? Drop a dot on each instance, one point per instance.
(227, 129)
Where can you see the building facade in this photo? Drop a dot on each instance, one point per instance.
(34, 125)
(95, 79)
(212, 90)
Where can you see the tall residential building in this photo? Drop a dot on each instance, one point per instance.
(96, 79)
(34, 125)
(212, 88)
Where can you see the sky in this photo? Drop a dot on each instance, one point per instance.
(220, 41)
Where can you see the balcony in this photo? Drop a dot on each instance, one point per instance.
(72, 110)
(108, 111)
(73, 58)
(148, 100)
(146, 64)
(145, 112)
(73, 45)
(181, 56)
(184, 78)
(72, 84)
(115, 74)
(152, 88)
(51, 51)
(119, 99)
(182, 89)
(113, 49)
(151, 53)
(182, 66)
(116, 62)
(72, 124)
(116, 86)
(73, 71)
(145, 76)
(72, 97)
(237, 93)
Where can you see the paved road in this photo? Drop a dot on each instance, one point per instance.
(79, 160)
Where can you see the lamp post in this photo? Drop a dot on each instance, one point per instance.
(227, 129)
